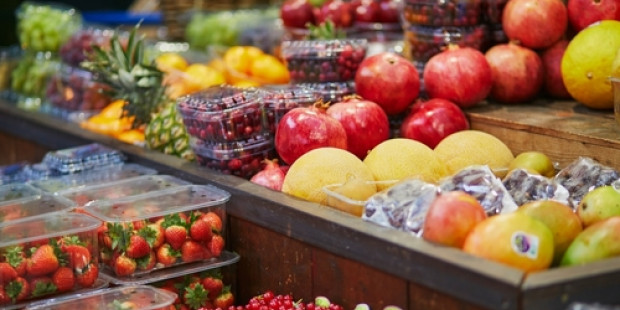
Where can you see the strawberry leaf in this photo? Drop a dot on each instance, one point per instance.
(73, 240)
(43, 288)
(213, 273)
(193, 216)
(149, 234)
(119, 235)
(143, 261)
(63, 258)
(13, 289)
(14, 255)
(196, 297)
(172, 220)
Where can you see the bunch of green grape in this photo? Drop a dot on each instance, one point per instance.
(32, 73)
(44, 27)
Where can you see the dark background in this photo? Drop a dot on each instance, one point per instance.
(8, 34)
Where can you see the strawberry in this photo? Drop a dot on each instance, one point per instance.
(147, 262)
(158, 236)
(216, 245)
(200, 230)
(214, 220)
(137, 225)
(225, 299)
(43, 261)
(64, 279)
(18, 289)
(175, 236)
(105, 256)
(88, 276)
(42, 286)
(4, 297)
(191, 251)
(137, 247)
(78, 256)
(214, 285)
(7, 273)
(124, 266)
(103, 236)
(166, 255)
(195, 296)
(17, 259)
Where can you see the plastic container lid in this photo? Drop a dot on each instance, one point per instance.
(12, 173)
(226, 151)
(37, 228)
(160, 203)
(124, 297)
(319, 49)
(219, 99)
(83, 157)
(11, 193)
(29, 304)
(290, 95)
(128, 187)
(38, 205)
(332, 91)
(91, 177)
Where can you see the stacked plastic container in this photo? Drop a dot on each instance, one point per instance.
(41, 28)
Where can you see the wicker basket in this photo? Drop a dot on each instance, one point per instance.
(176, 12)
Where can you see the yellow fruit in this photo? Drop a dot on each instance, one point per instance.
(246, 83)
(349, 197)
(399, 159)
(587, 64)
(320, 167)
(240, 58)
(134, 136)
(269, 70)
(472, 147)
(113, 110)
(167, 62)
(199, 76)
(533, 162)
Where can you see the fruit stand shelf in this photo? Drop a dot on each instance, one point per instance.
(290, 245)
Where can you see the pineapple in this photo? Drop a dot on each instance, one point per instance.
(140, 85)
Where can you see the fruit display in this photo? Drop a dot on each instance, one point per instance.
(73, 89)
(31, 75)
(167, 133)
(270, 301)
(161, 229)
(203, 290)
(45, 256)
(278, 100)
(443, 13)
(45, 27)
(584, 174)
(80, 45)
(83, 157)
(42, 204)
(423, 42)
(131, 297)
(122, 188)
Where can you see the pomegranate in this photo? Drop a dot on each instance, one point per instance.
(303, 129)
(431, 121)
(518, 73)
(364, 121)
(461, 75)
(582, 13)
(389, 80)
(272, 176)
(552, 61)
(535, 23)
(296, 13)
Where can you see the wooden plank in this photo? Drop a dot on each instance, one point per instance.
(14, 149)
(424, 298)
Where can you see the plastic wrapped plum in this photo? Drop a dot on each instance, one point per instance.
(402, 206)
(583, 175)
(525, 187)
(480, 182)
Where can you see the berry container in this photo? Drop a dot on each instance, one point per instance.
(321, 61)
(243, 158)
(41, 251)
(422, 43)
(12, 173)
(82, 158)
(158, 230)
(438, 13)
(19, 201)
(74, 89)
(224, 114)
(92, 177)
(132, 297)
(45, 27)
(280, 99)
(123, 188)
(77, 48)
(13, 192)
(333, 91)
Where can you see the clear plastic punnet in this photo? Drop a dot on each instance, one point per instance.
(82, 158)
(11, 193)
(134, 297)
(38, 252)
(123, 188)
(279, 99)
(158, 230)
(42, 204)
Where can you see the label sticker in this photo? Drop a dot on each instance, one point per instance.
(525, 244)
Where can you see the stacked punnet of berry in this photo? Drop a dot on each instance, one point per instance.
(279, 99)
(210, 289)
(229, 128)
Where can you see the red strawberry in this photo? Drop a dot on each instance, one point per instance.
(137, 225)
(124, 266)
(104, 237)
(214, 220)
(78, 256)
(4, 297)
(166, 255)
(213, 285)
(216, 245)
(158, 238)
(183, 217)
(191, 251)
(225, 299)
(17, 259)
(200, 230)
(175, 236)
(7, 273)
(195, 296)
(42, 286)
(43, 261)
(206, 253)
(18, 289)
(88, 276)
(138, 247)
(147, 262)
(37, 243)
(64, 279)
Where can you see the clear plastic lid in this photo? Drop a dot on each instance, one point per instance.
(36, 205)
(31, 304)
(128, 187)
(219, 99)
(159, 203)
(313, 49)
(91, 177)
(12, 173)
(225, 151)
(332, 91)
(124, 297)
(283, 96)
(11, 193)
(82, 158)
(37, 228)
(226, 258)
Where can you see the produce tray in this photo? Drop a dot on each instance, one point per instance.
(99, 285)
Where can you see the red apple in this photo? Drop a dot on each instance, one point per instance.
(518, 73)
(461, 75)
(296, 13)
(364, 121)
(388, 79)
(366, 11)
(389, 12)
(431, 121)
(582, 13)
(552, 61)
(338, 11)
(535, 23)
(450, 218)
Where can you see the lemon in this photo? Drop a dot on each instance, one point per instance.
(167, 62)
(399, 159)
(200, 76)
(472, 147)
(587, 64)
